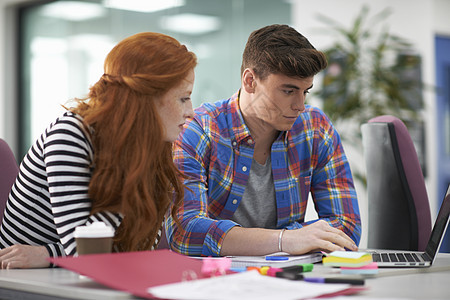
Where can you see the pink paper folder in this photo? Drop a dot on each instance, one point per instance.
(133, 272)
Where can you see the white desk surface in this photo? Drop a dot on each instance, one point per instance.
(53, 283)
(406, 283)
(427, 283)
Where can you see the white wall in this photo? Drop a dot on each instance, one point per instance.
(418, 21)
(441, 21)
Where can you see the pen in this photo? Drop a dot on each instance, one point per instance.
(277, 258)
(334, 280)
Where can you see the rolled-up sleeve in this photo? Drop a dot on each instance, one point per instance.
(198, 233)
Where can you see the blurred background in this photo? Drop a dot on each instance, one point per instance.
(52, 51)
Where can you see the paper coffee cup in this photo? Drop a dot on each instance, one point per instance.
(94, 238)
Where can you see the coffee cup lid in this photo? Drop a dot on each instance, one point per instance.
(96, 229)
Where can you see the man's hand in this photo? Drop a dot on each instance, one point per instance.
(316, 236)
(319, 236)
(24, 257)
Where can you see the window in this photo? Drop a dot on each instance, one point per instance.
(64, 44)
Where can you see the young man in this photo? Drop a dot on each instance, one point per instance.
(251, 161)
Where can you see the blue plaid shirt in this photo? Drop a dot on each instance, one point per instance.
(215, 153)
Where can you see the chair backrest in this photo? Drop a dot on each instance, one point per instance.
(8, 173)
(163, 243)
(399, 210)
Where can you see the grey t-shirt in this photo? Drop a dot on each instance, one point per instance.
(258, 205)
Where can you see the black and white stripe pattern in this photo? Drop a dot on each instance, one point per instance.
(50, 196)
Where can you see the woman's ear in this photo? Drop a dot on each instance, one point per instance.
(248, 81)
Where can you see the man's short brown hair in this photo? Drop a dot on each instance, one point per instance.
(280, 49)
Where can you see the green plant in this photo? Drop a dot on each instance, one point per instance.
(371, 72)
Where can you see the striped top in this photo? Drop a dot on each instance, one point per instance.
(50, 195)
(215, 152)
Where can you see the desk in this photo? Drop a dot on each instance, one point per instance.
(409, 283)
(428, 283)
(53, 283)
(411, 286)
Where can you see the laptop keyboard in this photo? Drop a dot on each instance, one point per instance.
(395, 257)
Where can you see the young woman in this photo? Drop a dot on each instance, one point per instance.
(107, 159)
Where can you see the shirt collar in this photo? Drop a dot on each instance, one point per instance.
(240, 130)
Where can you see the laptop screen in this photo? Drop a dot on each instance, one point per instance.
(439, 227)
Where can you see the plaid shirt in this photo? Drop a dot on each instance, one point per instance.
(215, 153)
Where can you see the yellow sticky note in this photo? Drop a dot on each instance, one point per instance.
(347, 259)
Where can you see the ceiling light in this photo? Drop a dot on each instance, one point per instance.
(143, 5)
(194, 24)
(73, 10)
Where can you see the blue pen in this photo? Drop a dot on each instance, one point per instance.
(277, 258)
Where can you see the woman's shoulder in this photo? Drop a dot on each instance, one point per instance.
(69, 119)
(68, 126)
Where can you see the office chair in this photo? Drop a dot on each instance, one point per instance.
(399, 211)
(163, 243)
(8, 174)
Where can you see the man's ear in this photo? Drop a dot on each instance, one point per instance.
(248, 81)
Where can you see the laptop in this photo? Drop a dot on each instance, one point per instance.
(401, 258)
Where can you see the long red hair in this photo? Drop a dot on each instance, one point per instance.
(133, 171)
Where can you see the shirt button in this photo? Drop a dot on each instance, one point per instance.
(250, 141)
(234, 144)
(244, 168)
(235, 201)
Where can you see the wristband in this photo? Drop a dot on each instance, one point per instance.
(280, 237)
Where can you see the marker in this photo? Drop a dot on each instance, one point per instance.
(238, 269)
(299, 268)
(277, 258)
(249, 268)
(263, 270)
(272, 271)
(334, 280)
(289, 275)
